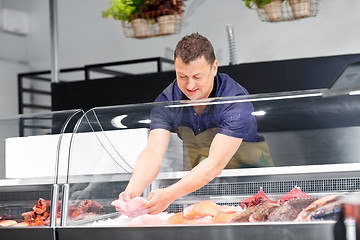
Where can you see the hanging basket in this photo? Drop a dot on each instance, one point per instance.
(287, 10)
(153, 24)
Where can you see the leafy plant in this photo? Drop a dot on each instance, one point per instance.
(123, 9)
(258, 3)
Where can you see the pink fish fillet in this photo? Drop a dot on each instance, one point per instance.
(133, 208)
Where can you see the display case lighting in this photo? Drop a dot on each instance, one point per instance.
(258, 113)
(356, 92)
(116, 121)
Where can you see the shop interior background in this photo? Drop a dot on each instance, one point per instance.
(84, 37)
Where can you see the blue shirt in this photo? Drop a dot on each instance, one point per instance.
(232, 119)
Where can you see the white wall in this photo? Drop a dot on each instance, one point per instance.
(86, 38)
(21, 54)
(94, 39)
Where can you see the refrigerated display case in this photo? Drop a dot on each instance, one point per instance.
(313, 139)
(31, 148)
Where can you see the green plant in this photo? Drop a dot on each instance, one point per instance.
(258, 3)
(123, 9)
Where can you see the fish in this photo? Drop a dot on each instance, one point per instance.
(205, 212)
(226, 214)
(179, 218)
(244, 216)
(330, 211)
(306, 213)
(262, 212)
(201, 209)
(289, 210)
(133, 208)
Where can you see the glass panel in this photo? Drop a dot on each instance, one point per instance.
(300, 128)
(31, 149)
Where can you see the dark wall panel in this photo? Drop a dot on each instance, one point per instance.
(110, 91)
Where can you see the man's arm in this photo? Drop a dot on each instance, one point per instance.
(222, 149)
(149, 162)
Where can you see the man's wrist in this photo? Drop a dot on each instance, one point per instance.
(174, 192)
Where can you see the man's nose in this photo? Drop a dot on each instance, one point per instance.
(190, 84)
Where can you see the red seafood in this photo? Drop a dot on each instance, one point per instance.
(29, 216)
(294, 193)
(259, 197)
(40, 216)
(85, 208)
(42, 206)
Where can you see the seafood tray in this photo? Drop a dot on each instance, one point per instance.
(231, 188)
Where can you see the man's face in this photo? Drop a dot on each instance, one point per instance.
(195, 79)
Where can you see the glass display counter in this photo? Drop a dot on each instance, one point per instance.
(31, 148)
(72, 165)
(312, 138)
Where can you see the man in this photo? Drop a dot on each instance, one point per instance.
(212, 134)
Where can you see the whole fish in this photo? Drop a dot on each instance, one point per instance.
(289, 210)
(306, 213)
(262, 213)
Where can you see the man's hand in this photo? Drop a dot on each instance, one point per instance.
(130, 205)
(158, 200)
(126, 196)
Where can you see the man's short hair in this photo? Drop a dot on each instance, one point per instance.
(193, 47)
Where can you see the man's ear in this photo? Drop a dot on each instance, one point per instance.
(215, 67)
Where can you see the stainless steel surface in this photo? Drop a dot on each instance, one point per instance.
(231, 40)
(54, 204)
(262, 231)
(65, 204)
(54, 41)
(266, 171)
